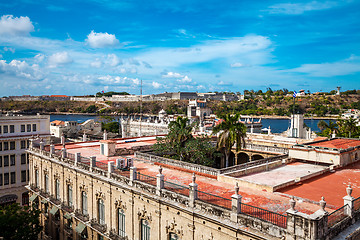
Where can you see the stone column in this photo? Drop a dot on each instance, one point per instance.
(349, 201)
(42, 145)
(193, 191)
(105, 136)
(84, 137)
(63, 153)
(110, 168)
(77, 158)
(63, 139)
(31, 143)
(235, 204)
(159, 181)
(92, 162)
(133, 176)
(52, 149)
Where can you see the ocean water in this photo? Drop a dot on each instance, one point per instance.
(277, 125)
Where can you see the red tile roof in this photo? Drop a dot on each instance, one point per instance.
(58, 122)
(339, 143)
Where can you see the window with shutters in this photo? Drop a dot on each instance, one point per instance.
(145, 230)
(121, 223)
(101, 211)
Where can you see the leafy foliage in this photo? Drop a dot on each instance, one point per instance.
(19, 223)
(180, 144)
(342, 128)
(231, 131)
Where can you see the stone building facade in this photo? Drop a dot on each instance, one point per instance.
(81, 198)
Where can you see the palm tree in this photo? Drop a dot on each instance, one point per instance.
(232, 130)
(179, 133)
(327, 128)
(348, 127)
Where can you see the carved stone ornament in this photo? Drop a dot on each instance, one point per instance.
(171, 227)
(143, 214)
(46, 171)
(349, 190)
(36, 167)
(99, 195)
(68, 181)
(83, 188)
(120, 204)
(211, 237)
(56, 175)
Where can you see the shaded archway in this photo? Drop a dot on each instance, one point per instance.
(231, 159)
(242, 158)
(256, 157)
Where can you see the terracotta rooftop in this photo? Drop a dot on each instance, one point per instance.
(271, 201)
(338, 143)
(58, 122)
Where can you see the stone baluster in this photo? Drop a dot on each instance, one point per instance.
(92, 162)
(349, 201)
(77, 158)
(110, 168)
(193, 191)
(133, 176)
(84, 137)
(235, 203)
(159, 181)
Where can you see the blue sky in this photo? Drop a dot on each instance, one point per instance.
(82, 47)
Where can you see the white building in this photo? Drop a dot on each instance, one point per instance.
(57, 128)
(15, 131)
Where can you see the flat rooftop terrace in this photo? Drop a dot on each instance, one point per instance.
(266, 200)
(330, 185)
(283, 174)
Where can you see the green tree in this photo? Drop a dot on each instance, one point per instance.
(327, 128)
(348, 128)
(110, 127)
(231, 131)
(19, 223)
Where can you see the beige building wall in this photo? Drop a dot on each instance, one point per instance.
(166, 215)
(15, 131)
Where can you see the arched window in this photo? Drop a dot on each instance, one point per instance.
(37, 178)
(121, 223)
(70, 194)
(101, 211)
(84, 203)
(145, 230)
(46, 183)
(57, 189)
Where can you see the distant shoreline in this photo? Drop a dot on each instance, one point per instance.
(262, 116)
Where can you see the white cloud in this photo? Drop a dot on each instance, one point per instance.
(100, 40)
(60, 58)
(9, 49)
(252, 49)
(340, 68)
(300, 8)
(172, 75)
(39, 57)
(97, 63)
(14, 26)
(222, 83)
(21, 69)
(185, 79)
(113, 60)
(156, 85)
(237, 65)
